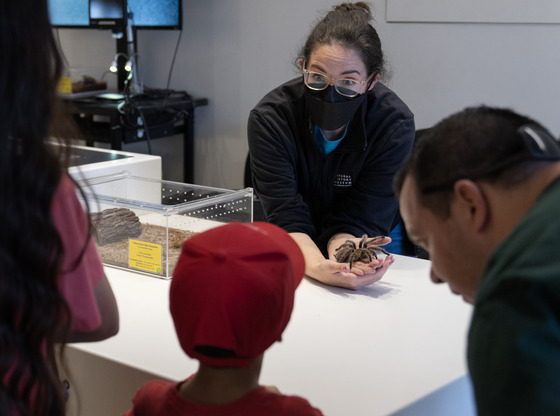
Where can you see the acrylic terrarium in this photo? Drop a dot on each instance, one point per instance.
(140, 223)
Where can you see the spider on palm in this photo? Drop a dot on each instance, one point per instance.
(347, 252)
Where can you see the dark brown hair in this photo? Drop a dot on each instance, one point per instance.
(471, 144)
(32, 309)
(349, 25)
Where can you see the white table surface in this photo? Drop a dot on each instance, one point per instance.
(367, 352)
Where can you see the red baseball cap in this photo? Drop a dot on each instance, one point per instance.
(233, 291)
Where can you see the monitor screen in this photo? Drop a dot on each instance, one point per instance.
(156, 13)
(69, 13)
(107, 12)
(146, 14)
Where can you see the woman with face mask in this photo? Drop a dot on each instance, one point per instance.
(324, 147)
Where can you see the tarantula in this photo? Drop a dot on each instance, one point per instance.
(366, 250)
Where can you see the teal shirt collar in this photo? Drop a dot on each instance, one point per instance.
(327, 146)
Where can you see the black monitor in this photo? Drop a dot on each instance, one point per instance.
(107, 13)
(146, 14)
(123, 18)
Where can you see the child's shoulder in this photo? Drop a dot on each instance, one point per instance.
(281, 404)
(152, 397)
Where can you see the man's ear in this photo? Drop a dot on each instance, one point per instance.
(472, 204)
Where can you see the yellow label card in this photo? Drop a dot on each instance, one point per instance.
(144, 256)
(65, 85)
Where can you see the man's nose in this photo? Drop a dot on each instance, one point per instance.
(434, 278)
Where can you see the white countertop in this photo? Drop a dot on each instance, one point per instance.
(366, 352)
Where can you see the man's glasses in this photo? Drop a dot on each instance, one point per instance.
(344, 86)
(538, 144)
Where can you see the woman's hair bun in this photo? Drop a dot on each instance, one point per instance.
(360, 6)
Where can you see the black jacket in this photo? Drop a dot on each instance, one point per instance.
(350, 189)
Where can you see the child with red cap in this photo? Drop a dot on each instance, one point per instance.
(231, 298)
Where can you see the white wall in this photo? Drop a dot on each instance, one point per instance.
(234, 51)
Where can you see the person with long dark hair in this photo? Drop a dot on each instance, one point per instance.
(52, 286)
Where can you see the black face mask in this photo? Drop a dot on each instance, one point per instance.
(329, 110)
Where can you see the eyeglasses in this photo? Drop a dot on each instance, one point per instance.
(344, 86)
(538, 144)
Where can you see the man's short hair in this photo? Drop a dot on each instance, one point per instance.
(479, 143)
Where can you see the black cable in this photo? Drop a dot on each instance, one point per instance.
(127, 108)
(171, 69)
(128, 103)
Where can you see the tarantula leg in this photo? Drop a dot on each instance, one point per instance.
(347, 244)
(343, 255)
(366, 254)
(375, 240)
(371, 245)
(345, 251)
(363, 242)
(377, 248)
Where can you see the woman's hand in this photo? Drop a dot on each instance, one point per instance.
(362, 274)
(332, 273)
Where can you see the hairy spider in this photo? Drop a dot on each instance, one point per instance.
(347, 252)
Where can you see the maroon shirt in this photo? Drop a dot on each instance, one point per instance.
(161, 398)
(77, 282)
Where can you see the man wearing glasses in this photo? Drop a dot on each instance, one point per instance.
(481, 193)
(324, 147)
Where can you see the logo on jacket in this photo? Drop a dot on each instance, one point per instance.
(342, 181)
